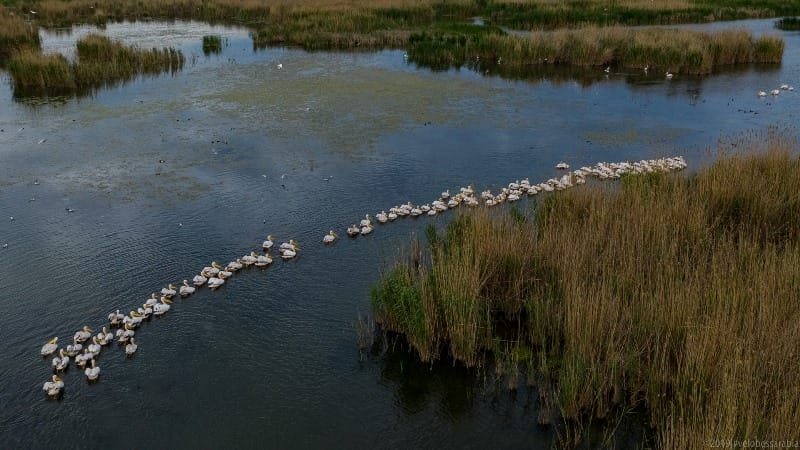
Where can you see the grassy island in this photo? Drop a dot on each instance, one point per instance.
(667, 293)
(100, 62)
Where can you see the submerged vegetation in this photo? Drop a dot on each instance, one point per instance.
(671, 294)
(788, 24)
(100, 62)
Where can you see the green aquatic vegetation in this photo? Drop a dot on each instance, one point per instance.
(212, 44)
(101, 62)
(600, 300)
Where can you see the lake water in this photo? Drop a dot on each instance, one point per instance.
(271, 359)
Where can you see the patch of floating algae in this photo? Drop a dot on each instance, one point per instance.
(347, 107)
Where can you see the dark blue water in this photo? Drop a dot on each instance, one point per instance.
(271, 359)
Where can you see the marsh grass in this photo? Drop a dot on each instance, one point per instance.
(670, 292)
(16, 35)
(101, 62)
(212, 44)
(659, 49)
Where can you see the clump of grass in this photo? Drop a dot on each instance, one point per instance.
(788, 24)
(101, 62)
(656, 48)
(16, 35)
(669, 292)
(37, 74)
(212, 44)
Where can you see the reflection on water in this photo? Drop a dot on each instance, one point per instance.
(165, 175)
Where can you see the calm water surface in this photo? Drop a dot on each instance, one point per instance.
(271, 359)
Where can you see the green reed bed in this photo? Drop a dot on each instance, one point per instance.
(16, 34)
(100, 62)
(655, 48)
(788, 24)
(212, 44)
(664, 293)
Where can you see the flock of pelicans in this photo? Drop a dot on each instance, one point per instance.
(776, 92)
(85, 348)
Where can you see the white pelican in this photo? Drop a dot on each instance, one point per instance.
(289, 245)
(209, 271)
(94, 347)
(161, 308)
(124, 335)
(115, 318)
(249, 260)
(669, 75)
(145, 311)
(82, 359)
(353, 230)
(152, 300)
(130, 349)
(392, 215)
(61, 361)
(50, 347)
(562, 165)
(199, 280)
(414, 213)
(467, 190)
(263, 260)
(133, 320)
(83, 335)
(762, 94)
(431, 212)
(784, 87)
(775, 92)
(381, 217)
(186, 290)
(367, 229)
(104, 337)
(289, 253)
(215, 282)
(53, 388)
(224, 274)
(169, 291)
(367, 220)
(92, 372)
(233, 266)
(268, 243)
(74, 348)
(446, 194)
(329, 238)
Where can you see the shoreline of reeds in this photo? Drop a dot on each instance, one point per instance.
(534, 14)
(669, 293)
(100, 62)
(438, 34)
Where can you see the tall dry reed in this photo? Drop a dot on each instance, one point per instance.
(16, 34)
(101, 62)
(673, 293)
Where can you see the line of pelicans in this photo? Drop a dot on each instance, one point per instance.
(513, 192)
(215, 274)
(85, 358)
(776, 92)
